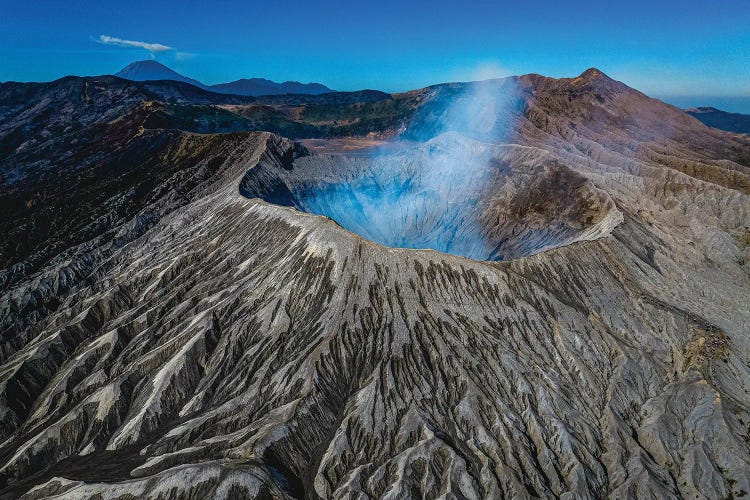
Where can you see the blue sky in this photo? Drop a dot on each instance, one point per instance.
(664, 48)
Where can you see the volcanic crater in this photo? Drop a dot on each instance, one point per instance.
(452, 194)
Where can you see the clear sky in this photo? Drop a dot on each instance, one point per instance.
(662, 47)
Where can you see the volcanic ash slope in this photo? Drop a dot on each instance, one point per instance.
(243, 349)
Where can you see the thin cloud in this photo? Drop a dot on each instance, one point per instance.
(488, 70)
(184, 56)
(119, 42)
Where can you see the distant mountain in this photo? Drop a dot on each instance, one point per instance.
(731, 122)
(140, 71)
(261, 86)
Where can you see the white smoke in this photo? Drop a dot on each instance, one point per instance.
(119, 42)
(427, 194)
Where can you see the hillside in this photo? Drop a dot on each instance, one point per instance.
(732, 122)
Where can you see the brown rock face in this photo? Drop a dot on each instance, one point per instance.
(221, 345)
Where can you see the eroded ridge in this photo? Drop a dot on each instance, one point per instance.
(212, 345)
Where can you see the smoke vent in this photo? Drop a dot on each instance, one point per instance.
(451, 194)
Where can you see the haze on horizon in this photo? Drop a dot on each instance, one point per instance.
(686, 52)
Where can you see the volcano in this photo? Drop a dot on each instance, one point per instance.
(141, 71)
(150, 70)
(453, 195)
(531, 287)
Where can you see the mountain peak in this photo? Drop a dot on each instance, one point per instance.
(145, 65)
(594, 78)
(147, 62)
(592, 74)
(263, 86)
(151, 69)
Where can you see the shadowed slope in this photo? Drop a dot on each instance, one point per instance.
(731, 122)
